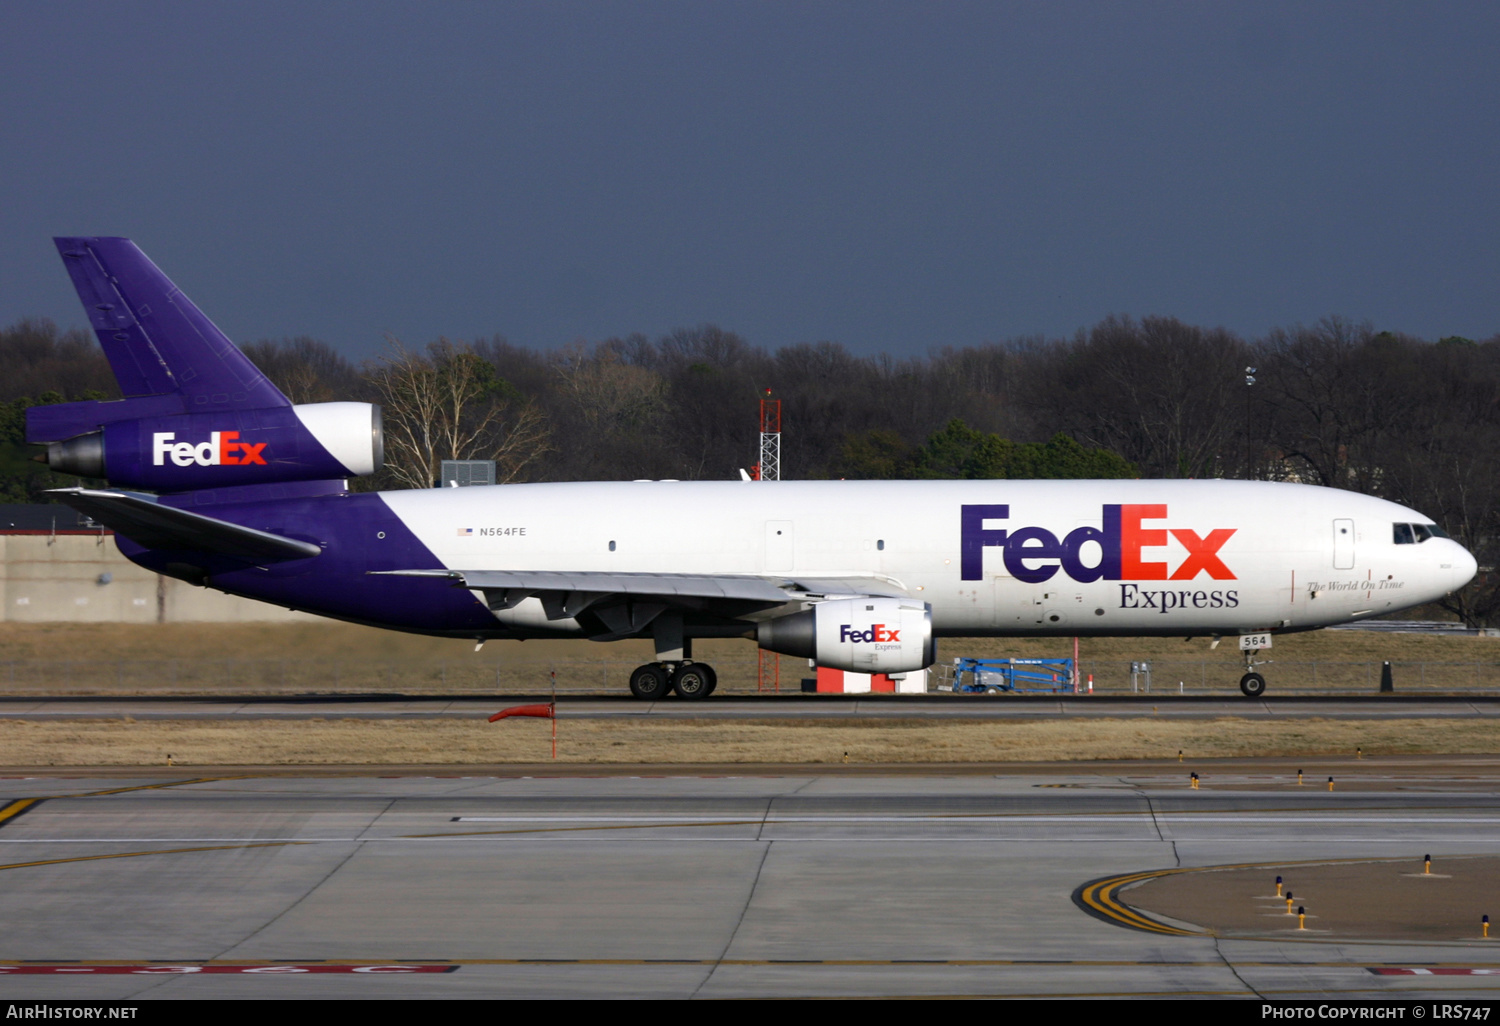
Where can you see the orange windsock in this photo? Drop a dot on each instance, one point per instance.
(547, 712)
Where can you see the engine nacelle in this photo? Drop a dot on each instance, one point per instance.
(864, 635)
(233, 447)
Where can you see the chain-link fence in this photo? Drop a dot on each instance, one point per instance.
(48, 677)
(1203, 676)
(737, 675)
(1291, 676)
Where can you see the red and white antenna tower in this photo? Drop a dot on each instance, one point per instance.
(768, 664)
(769, 467)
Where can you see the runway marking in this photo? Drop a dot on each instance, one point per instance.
(999, 817)
(21, 805)
(152, 787)
(1101, 898)
(18, 807)
(157, 969)
(566, 830)
(541, 835)
(135, 854)
(431, 964)
(1331, 994)
(585, 819)
(627, 822)
(1040, 995)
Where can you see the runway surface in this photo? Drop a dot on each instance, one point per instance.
(160, 886)
(934, 707)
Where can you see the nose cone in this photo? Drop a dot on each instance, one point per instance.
(1464, 567)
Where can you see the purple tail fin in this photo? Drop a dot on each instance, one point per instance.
(156, 340)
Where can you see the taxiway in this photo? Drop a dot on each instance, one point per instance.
(148, 885)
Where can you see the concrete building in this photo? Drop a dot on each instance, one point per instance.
(57, 567)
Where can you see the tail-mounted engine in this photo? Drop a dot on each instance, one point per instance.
(211, 450)
(198, 414)
(864, 635)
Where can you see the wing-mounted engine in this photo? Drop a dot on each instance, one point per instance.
(865, 635)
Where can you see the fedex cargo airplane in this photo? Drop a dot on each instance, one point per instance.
(216, 478)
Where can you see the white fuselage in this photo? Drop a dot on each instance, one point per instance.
(1295, 556)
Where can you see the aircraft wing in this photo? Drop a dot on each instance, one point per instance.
(754, 589)
(849, 587)
(624, 604)
(707, 586)
(156, 526)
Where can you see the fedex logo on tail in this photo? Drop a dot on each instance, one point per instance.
(1035, 554)
(877, 632)
(221, 449)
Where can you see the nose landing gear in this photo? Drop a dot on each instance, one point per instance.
(1253, 684)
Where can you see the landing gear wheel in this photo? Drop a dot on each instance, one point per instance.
(1253, 685)
(692, 681)
(649, 682)
(713, 678)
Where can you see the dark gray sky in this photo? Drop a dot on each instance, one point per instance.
(892, 176)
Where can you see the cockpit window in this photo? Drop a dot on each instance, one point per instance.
(1415, 534)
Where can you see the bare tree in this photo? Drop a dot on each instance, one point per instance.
(449, 404)
(305, 369)
(1163, 394)
(605, 392)
(38, 358)
(1335, 393)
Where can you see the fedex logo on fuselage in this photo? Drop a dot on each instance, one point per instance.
(221, 449)
(877, 632)
(1035, 554)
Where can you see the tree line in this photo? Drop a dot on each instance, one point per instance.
(1337, 403)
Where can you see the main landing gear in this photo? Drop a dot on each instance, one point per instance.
(674, 669)
(690, 680)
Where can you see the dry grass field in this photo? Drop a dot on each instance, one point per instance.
(117, 660)
(366, 742)
(329, 657)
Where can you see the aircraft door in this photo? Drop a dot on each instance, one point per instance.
(780, 546)
(1009, 602)
(1343, 545)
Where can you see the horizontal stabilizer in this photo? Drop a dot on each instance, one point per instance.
(156, 526)
(67, 420)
